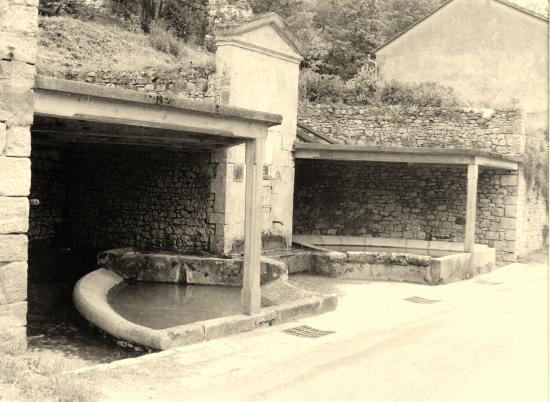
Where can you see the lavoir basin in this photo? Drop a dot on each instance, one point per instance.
(164, 300)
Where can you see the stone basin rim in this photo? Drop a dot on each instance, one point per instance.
(90, 299)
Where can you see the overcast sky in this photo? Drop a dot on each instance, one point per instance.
(538, 5)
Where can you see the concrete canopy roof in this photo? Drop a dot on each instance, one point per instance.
(436, 156)
(71, 111)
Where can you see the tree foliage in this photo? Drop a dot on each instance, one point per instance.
(339, 35)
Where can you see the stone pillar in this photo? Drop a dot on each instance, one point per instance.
(257, 64)
(471, 202)
(18, 43)
(251, 294)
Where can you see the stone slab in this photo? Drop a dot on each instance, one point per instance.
(225, 326)
(15, 176)
(13, 315)
(14, 215)
(180, 336)
(13, 247)
(13, 282)
(18, 141)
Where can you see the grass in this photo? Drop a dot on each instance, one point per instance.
(35, 379)
(69, 45)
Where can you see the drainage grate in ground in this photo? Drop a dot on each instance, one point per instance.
(486, 282)
(421, 300)
(307, 331)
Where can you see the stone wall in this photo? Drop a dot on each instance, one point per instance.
(535, 225)
(188, 82)
(399, 201)
(93, 198)
(496, 223)
(498, 131)
(47, 193)
(145, 199)
(532, 216)
(18, 27)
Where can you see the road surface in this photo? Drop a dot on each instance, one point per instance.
(485, 339)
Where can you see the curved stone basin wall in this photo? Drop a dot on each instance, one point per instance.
(287, 302)
(189, 269)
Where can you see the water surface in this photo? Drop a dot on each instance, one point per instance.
(165, 305)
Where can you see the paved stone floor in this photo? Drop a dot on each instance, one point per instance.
(482, 339)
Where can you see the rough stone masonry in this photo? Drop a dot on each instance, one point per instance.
(18, 29)
(392, 200)
(93, 198)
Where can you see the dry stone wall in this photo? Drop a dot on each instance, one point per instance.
(18, 28)
(398, 201)
(188, 82)
(498, 131)
(151, 199)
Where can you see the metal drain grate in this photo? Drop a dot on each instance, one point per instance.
(307, 332)
(421, 300)
(486, 282)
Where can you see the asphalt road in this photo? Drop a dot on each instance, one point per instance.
(484, 340)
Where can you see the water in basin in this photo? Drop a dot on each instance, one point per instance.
(165, 305)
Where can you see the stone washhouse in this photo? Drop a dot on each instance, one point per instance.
(86, 168)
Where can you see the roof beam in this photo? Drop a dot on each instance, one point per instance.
(69, 100)
(401, 155)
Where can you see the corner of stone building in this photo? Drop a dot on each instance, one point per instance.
(18, 44)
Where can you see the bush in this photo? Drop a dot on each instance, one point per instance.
(162, 39)
(317, 87)
(423, 94)
(366, 89)
(187, 19)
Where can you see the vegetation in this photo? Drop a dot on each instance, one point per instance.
(32, 379)
(69, 46)
(366, 89)
(340, 34)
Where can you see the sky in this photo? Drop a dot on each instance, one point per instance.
(537, 5)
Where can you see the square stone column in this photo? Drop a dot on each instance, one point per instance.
(18, 43)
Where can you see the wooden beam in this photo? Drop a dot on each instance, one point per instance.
(251, 294)
(471, 203)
